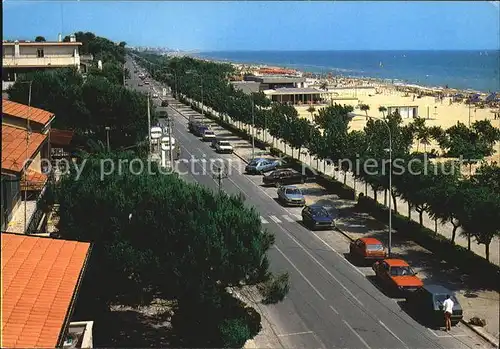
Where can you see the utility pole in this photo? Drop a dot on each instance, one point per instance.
(253, 127)
(171, 147)
(219, 177)
(107, 128)
(202, 106)
(149, 127)
(28, 133)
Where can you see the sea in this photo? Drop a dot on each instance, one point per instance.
(463, 70)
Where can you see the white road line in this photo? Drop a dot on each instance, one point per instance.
(321, 265)
(263, 220)
(298, 216)
(340, 255)
(357, 334)
(298, 271)
(335, 310)
(275, 219)
(295, 333)
(389, 330)
(288, 218)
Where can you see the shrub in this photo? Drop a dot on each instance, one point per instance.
(275, 289)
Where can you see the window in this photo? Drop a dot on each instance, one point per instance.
(39, 53)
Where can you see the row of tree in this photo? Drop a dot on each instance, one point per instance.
(472, 203)
(189, 248)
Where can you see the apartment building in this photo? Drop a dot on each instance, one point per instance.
(25, 149)
(26, 56)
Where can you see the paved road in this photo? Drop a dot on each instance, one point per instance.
(331, 303)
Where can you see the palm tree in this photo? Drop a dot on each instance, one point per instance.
(382, 109)
(311, 110)
(324, 85)
(365, 108)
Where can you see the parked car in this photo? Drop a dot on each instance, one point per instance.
(197, 128)
(261, 165)
(155, 95)
(427, 304)
(283, 177)
(367, 249)
(290, 195)
(146, 82)
(214, 142)
(317, 217)
(223, 147)
(208, 135)
(397, 275)
(140, 84)
(164, 103)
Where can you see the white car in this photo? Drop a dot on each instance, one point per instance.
(208, 135)
(223, 147)
(155, 95)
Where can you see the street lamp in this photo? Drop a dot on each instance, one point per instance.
(389, 248)
(107, 128)
(253, 126)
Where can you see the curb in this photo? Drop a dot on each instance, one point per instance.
(343, 233)
(480, 333)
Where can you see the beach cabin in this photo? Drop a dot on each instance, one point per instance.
(405, 111)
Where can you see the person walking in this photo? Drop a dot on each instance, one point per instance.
(448, 310)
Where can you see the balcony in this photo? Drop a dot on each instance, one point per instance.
(79, 335)
(30, 61)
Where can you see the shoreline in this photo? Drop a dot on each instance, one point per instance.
(364, 80)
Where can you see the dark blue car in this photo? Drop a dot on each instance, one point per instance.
(317, 217)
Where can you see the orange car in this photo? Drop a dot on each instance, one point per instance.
(367, 249)
(397, 274)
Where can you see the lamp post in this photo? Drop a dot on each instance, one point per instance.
(28, 133)
(107, 128)
(253, 126)
(389, 247)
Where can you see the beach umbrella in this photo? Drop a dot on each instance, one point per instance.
(492, 97)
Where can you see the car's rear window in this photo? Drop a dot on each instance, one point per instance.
(401, 271)
(293, 191)
(224, 143)
(318, 212)
(374, 247)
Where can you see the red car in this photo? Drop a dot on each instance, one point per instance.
(365, 249)
(397, 274)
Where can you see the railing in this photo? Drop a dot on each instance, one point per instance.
(37, 216)
(30, 61)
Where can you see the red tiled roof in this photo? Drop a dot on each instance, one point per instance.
(39, 279)
(396, 263)
(61, 137)
(23, 111)
(14, 147)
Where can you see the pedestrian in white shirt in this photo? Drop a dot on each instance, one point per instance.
(448, 310)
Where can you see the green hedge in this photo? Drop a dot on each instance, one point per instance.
(236, 131)
(328, 182)
(439, 245)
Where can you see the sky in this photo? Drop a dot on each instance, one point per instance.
(259, 25)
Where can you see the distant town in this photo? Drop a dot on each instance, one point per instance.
(164, 51)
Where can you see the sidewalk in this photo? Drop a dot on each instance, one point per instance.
(475, 299)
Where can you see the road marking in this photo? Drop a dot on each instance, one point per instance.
(263, 220)
(299, 216)
(298, 271)
(335, 310)
(321, 265)
(340, 255)
(288, 219)
(357, 334)
(389, 330)
(295, 334)
(275, 219)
